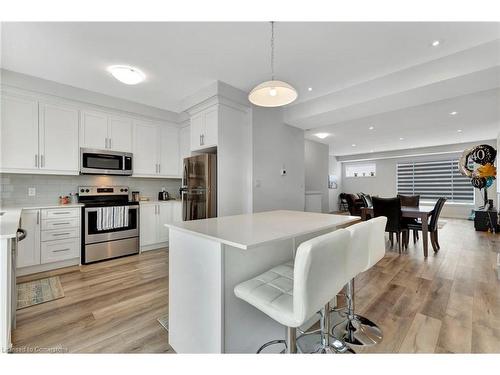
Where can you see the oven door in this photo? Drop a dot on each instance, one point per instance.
(93, 235)
(105, 162)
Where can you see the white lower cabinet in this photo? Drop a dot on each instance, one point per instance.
(53, 235)
(153, 217)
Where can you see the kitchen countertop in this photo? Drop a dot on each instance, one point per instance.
(9, 220)
(251, 230)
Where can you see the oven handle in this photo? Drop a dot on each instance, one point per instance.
(94, 209)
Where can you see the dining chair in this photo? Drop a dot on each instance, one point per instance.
(433, 224)
(391, 208)
(354, 204)
(410, 201)
(367, 200)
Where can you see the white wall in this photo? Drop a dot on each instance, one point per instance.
(316, 165)
(335, 169)
(384, 183)
(277, 145)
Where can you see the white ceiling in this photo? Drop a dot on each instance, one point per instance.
(338, 60)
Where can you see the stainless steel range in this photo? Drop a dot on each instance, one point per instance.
(110, 223)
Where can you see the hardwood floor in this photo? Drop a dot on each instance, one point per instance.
(109, 307)
(447, 303)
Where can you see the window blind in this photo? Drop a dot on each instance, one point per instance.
(434, 179)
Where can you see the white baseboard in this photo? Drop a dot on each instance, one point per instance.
(155, 246)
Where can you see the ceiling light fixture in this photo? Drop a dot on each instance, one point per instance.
(272, 93)
(459, 131)
(127, 74)
(401, 139)
(435, 43)
(353, 145)
(321, 135)
(371, 128)
(453, 113)
(309, 89)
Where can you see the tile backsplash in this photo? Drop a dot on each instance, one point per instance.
(14, 187)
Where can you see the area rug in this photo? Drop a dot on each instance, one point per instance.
(163, 320)
(38, 291)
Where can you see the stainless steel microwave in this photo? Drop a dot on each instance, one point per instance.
(105, 162)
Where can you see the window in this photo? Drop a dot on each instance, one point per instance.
(361, 170)
(434, 179)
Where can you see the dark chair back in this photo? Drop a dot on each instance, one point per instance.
(390, 208)
(433, 225)
(367, 200)
(352, 204)
(409, 200)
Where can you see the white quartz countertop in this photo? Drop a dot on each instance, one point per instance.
(9, 220)
(252, 230)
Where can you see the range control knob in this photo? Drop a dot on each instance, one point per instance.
(82, 190)
(87, 190)
(125, 190)
(121, 190)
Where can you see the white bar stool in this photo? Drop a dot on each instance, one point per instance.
(293, 292)
(367, 248)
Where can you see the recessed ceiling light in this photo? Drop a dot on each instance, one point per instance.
(371, 150)
(401, 139)
(127, 74)
(371, 128)
(309, 89)
(459, 131)
(453, 113)
(353, 145)
(321, 135)
(435, 43)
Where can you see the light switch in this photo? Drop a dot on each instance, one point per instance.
(31, 192)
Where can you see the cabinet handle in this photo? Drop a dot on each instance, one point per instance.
(61, 223)
(200, 139)
(38, 217)
(61, 213)
(110, 143)
(42, 161)
(59, 250)
(203, 139)
(61, 234)
(159, 168)
(106, 142)
(36, 160)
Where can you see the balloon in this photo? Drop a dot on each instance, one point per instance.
(478, 182)
(489, 182)
(486, 170)
(483, 154)
(463, 163)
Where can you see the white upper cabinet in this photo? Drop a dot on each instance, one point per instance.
(103, 131)
(58, 143)
(120, 133)
(94, 130)
(156, 149)
(19, 134)
(146, 148)
(169, 151)
(204, 129)
(184, 146)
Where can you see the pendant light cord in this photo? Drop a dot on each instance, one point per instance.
(272, 50)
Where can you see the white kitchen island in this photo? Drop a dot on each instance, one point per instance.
(207, 258)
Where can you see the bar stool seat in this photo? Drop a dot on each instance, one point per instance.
(271, 293)
(293, 292)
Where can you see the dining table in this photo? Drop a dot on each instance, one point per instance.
(414, 212)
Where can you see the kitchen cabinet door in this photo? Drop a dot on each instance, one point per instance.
(211, 125)
(165, 216)
(177, 211)
(169, 151)
(94, 130)
(59, 150)
(145, 148)
(197, 125)
(19, 139)
(184, 146)
(148, 224)
(28, 250)
(120, 131)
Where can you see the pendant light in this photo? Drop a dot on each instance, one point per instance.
(272, 93)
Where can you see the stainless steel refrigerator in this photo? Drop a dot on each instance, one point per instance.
(199, 187)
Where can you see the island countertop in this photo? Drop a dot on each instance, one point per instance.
(251, 230)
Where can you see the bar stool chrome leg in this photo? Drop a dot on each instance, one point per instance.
(356, 330)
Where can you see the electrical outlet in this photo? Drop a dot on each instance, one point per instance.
(31, 192)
